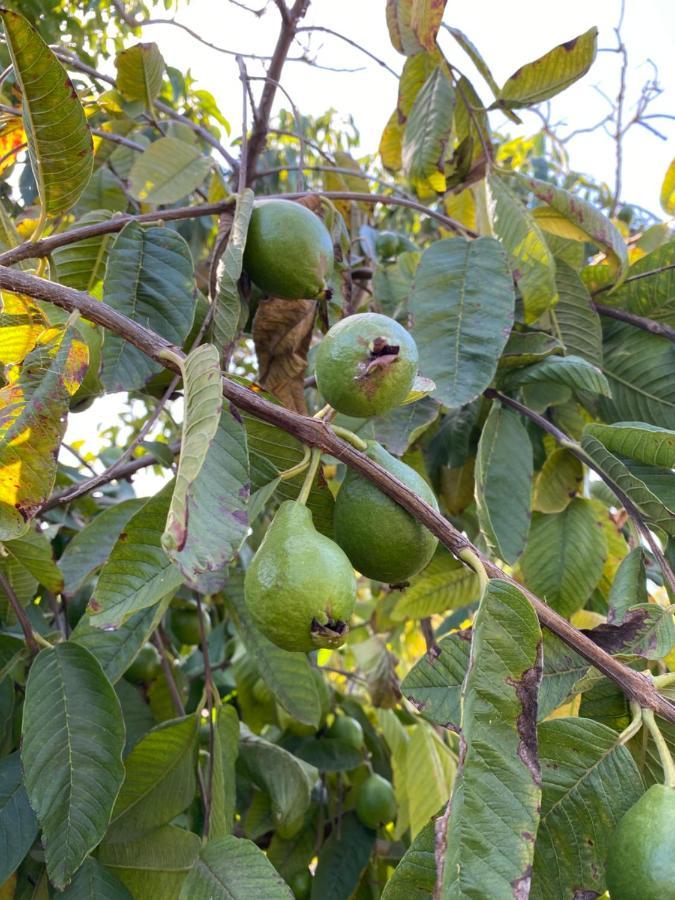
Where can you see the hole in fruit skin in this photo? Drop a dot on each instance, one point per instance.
(380, 355)
(332, 634)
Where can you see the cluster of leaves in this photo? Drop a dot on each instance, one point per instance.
(548, 438)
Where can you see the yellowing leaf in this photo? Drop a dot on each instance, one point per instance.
(33, 408)
(399, 23)
(12, 137)
(391, 143)
(668, 191)
(551, 221)
(425, 19)
(21, 323)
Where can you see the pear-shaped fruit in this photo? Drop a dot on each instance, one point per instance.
(375, 802)
(289, 252)
(145, 667)
(380, 538)
(184, 621)
(641, 858)
(346, 729)
(300, 587)
(366, 365)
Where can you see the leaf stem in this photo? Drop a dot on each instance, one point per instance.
(297, 469)
(635, 725)
(311, 475)
(22, 618)
(662, 747)
(350, 437)
(474, 562)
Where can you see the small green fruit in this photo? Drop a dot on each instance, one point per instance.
(388, 244)
(375, 802)
(289, 252)
(261, 693)
(301, 884)
(366, 365)
(300, 587)
(292, 726)
(346, 729)
(145, 667)
(381, 539)
(185, 624)
(641, 858)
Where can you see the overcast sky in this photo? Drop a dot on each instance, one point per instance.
(507, 35)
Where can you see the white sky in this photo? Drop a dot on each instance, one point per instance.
(507, 36)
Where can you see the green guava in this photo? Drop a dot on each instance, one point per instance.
(184, 622)
(300, 587)
(301, 884)
(145, 667)
(289, 252)
(366, 365)
(641, 857)
(375, 802)
(381, 539)
(346, 729)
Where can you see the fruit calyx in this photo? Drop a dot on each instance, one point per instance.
(330, 634)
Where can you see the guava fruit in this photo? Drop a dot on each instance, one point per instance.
(289, 252)
(641, 857)
(375, 802)
(184, 622)
(145, 667)
(346, 729)
(388, 244)
(301, 884)
(381, 539)
(261, 693)
(300, 587)
(366, 365)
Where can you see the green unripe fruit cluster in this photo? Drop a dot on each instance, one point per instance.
(366, 365)
(381, 539)
(184, 621)
(375, 802)
(641, 858)
(145, 667)
(300, 587)
(289, 252)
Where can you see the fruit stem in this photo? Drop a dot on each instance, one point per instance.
(297, 469)
(664, 753)
(636, 724)
(473, 562)
(310, 476)
(323, 411)
(350, 437)
(661, 681)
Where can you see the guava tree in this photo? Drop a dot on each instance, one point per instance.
(398, 623)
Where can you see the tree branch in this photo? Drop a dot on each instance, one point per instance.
(316, 433)
(21, 616)
(653, 327)
(343, 37)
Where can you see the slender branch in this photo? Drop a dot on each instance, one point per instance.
(289, 21)
(243, 158)
(653, 327)
(300, 184)
(637, 277)
(317, 434)
(21, 616)
(343, 37)
(118, 139)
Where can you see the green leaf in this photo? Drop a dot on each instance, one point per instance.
(207, 521)
(462, 306)
(138, 573)
(569, 371)
(651, 295)
(59, 140)
(231, 868)
(645, 443)
(18, 825)
(94, 882)
(82, 265)
(403, 425)
(22, 583)
(585, 221)
(629, 586)
(104, 192)
(33, 411)
(116, 650)
(563, 668)
(559, 480)
(227, 310)
(33, 552)
(167, 171)
(140, 72)
(589, 782)
(646, 630)
(89, 549)
(476, 58)
(159, 781)
(280, 775)
(650, 506)
(430, 770)
(403, 38)
(551, 73)
(575, 320)
(326, 754)
(434, 683)
(504, 483)
(73, 737)
(225, 752)
(494, 808)
(428, 128)
(532, 261)
(415, 875)
(156, 865)
(343, 860)
(565, 555)
(149, 278)
(288, 675)
(445, 583)
(639, 368)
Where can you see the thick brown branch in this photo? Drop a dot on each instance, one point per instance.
(316, 433)
(650, 325)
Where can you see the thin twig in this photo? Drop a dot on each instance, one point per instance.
(243, 157)
(210, 694)
(300, 185)
(352, 43)
(21, 616)
(317, 434)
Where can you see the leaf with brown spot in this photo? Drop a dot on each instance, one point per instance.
(399, 23)
(33, 407)
(425, 20)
